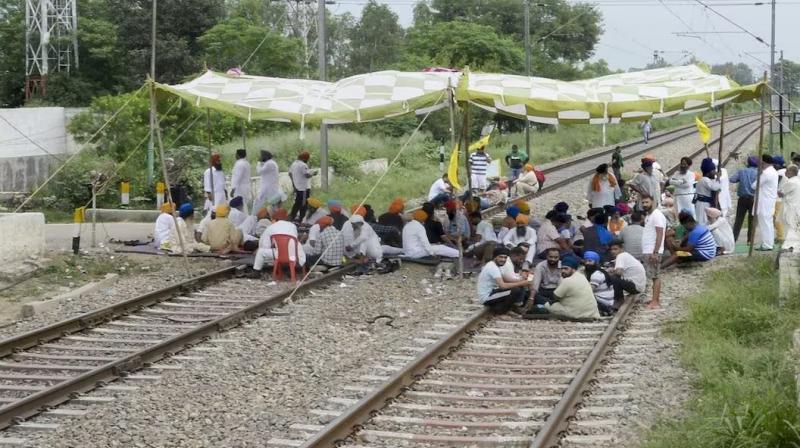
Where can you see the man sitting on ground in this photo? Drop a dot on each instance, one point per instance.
(601, 283)
(495, 292)
(267, 254)
(522, 234)
(433, 227)
(441, 190)
(339, 218)
(721, 230)
(165, 224)
(244, 222)
(456, 224)
(365, 241)
(574, 296)
(488, 235)
(631, 235)
(220, 234)
(315, 211)
(184, 232)
(697, 245)
(331, 245)
(546, 277)
(415, 240)
(394, 216)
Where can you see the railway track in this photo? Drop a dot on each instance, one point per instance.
(494, 381)
(49, 366)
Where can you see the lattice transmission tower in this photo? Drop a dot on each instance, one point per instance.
(51, 42)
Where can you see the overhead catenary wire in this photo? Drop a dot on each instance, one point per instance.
(708, 7)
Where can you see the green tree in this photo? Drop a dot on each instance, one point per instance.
(12, 53)
(741, 72)
(376, 39)
(230, 43)
(339, 46)
(423, 15)
(458, 44)
(270, 14)
(791, 78)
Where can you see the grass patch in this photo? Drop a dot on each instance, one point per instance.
(738, 339)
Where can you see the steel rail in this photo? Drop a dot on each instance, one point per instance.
(349, 421)
(550, 433)
(61, 392)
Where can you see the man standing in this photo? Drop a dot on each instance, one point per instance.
(746, 178)
(269, 189)
(478, 164)
(647, 183)
(655, 224)
(707, 190)
(515, 161)
(790, 193)
(603, 189)
(495, 292)
(683, 181)
(767, 196)
(240, 179)
(214, 183)
(617, 162)
(300, 176)
(646, 129)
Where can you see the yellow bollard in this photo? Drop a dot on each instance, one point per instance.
(125, 193)
(77, 219)
(160, 189)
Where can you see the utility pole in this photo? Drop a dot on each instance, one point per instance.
(772, 70)
(151, 141)
(780, 104)
(323, 129)
(527, 25)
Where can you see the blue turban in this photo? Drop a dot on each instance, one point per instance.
(236, 202)
(561, 207)
(186, 210)
(513, 211)
(591, 256)
(570, 261)
(707, 166)
(752, 161)
(778, 160)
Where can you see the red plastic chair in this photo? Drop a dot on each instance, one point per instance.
(281, 244)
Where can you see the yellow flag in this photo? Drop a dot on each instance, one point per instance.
(483, 141)
(452, 169)
(705, 132)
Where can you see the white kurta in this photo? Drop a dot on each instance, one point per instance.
(319, 213)
(219, 188)
(244, 222)
(240, 182)
(416, 244)
(367, 242)
(723, 235)
(725, 202)
(767, 197)
(165, 223)
(790, 214)
(607, 195)
(269, 186)
(266, 254)
(312, 245)
(684, 190)
(705, 187)
(511, 239)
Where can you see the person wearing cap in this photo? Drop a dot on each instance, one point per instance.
(603, 188)
(165, 223)
(240, 179)
(574, 298)
(767, 191)
(184, 231)
(220, 233)
(522, 233)
(745, 192)
(214, 183)
(647, 183)
(790, 193)
(707, 191)
(494, 291)
(415, 240)
(697, 245)
(269, 188)
(300, 175)
(348, 234)
(441, 190)
(365, 242)
(262, 221)
(600, 281)
(266, 254)
(331, 245)
(721, 230)
(683, 181)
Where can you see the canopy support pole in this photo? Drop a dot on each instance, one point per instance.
(465, 141)
(210, 152)
(244, 134)
(758, 176)
(604, 134)
(451, 107)
(323, 76)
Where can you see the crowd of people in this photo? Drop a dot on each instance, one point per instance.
(553, 264)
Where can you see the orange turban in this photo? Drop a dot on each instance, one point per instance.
(397, 206)
(358, 210)
(522, 219)
(325, 221)
(280, 215)
(528, 167)
(335, 208)
(420, 215)
(167, 207)
(262, 213)
(215, 158)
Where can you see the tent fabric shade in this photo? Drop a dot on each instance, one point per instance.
(615, 98)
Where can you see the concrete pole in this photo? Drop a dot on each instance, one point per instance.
(323, 129)
(772, 69)
(527, 25)
(780, 104)
(151, 143)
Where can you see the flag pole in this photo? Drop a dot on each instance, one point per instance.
(465, 139)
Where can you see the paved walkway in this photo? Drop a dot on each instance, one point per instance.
(59, 236)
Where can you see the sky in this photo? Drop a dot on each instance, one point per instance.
(634, 29)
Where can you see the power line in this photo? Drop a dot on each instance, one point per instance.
(732, 22)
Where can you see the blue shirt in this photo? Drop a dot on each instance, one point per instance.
(703, 242)
(745, 177)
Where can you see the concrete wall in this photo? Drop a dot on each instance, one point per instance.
(21, 235)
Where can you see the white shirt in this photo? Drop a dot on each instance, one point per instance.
(507, 270)
(511, 239)
(723, 234)
(313, 239)
(632, 270)
(415, 240)
(298, 170)
(365, 234)
(486, 230)
(219, 187)
(767, 191)
(653, 220)
(487, 280)
(281, 228)
(164, 225)
(240, 179)
(438, 187)
(683, 183)
(268, 186)
(603, 291)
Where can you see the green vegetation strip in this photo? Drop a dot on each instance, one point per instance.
(737, 338)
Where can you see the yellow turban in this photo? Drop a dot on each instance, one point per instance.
(528, 167)
(522, 219)
(167, 207)
(222, 210)
(523, 207)
(314, 202)
(420, 215)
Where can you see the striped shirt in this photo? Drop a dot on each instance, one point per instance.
(705, 247)
(479, 162)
